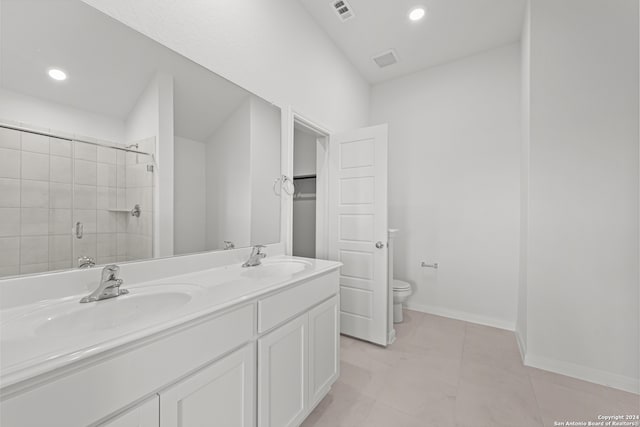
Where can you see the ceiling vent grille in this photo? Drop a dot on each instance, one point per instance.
(343, 9)
(386, 58)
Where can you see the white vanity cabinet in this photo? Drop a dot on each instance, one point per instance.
(324, 349)
(265, 361)
(283, 365)
(96, 390)
(297, 364)
(220, 394)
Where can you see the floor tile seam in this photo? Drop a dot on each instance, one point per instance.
(455, 402)
(524, 375)
(395, 408)
(535, 398)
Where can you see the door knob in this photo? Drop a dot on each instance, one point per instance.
(379, 245)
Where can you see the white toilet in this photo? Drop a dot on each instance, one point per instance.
(401, 290)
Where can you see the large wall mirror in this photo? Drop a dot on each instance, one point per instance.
(114, 148)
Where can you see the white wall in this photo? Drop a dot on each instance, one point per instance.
(582, 255)
(521, 321)
(298, 64)
(142, 120)
(226, 182)
(454, 146)
(189, 212)
(229, 181)
(32, 111)
(152, 116)
(164, 177)
(304, 153)
(265, 168)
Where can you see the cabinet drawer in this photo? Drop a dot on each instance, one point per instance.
(284, 305)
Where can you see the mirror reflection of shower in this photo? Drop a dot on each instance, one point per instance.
(73, 199)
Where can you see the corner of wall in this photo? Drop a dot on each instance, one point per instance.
(522, 315)
(522, 345)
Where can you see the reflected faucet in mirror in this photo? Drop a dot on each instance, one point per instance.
(228, 244)
(86, 262)
(255, 257)
(109, 286)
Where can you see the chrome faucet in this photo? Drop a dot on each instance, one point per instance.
(86, 262)
(109, 285)
(255, 257)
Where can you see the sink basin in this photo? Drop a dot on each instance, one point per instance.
(271, 268)
(141, 304)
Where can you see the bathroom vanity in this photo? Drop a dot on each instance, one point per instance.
(227, 346)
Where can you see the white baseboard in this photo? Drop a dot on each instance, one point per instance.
(584, 373)
(522, 345)
(461, 315)
(391, 337)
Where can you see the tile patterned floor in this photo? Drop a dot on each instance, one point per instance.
(445, 372)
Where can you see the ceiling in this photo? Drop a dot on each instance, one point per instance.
(452, 29)
(108, 65)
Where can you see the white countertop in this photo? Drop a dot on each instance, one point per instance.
(28, 348)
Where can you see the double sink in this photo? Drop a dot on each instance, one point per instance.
(144, 303)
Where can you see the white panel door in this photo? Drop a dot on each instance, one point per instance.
(222, 394)
(147, 414)
(282, 378)
(324, 349)
(358, 229)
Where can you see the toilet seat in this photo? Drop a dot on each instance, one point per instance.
(401, 285)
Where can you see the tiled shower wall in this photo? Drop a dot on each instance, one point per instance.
(139, 190)
(47, 185)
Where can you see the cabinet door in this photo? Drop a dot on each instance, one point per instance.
(221, 394)
(282, 376)
(144, 415)
(324, 349)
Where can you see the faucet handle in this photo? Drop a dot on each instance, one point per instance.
(110, 272)
(258, 249)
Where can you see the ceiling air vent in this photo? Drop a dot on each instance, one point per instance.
(386, 58)
(343, 9)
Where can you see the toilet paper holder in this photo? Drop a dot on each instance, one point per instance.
(434, 265)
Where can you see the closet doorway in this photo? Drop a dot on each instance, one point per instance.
(310, 150)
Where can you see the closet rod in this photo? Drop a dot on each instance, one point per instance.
(52, 135)
(305, 177)
(304, 196)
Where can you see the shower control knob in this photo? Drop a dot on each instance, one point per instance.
(379, 245)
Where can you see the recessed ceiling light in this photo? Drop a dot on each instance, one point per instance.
(417, 13)
(56, 74)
